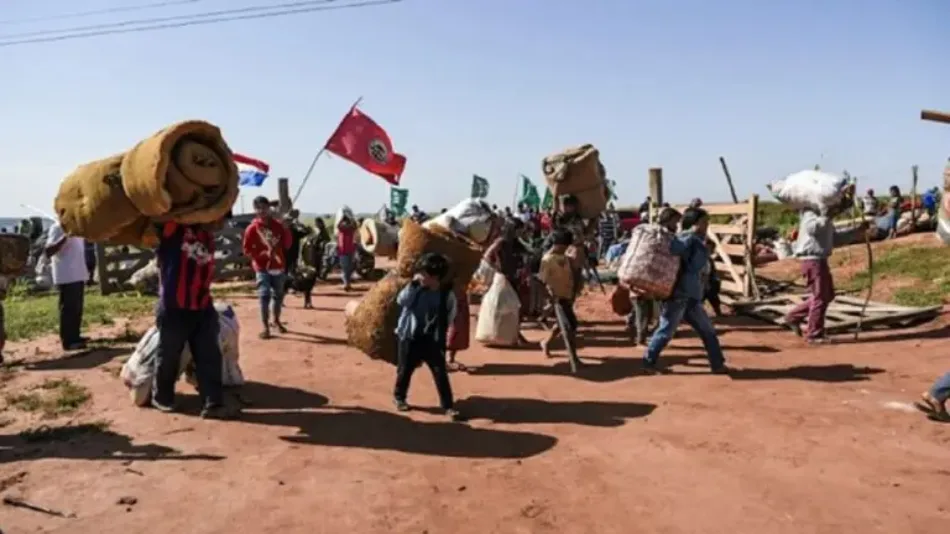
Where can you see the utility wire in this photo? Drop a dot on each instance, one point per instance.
(95, 12)
(198, 22)
(171, 18)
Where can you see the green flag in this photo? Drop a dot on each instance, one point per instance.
(548, 201)
(529, 193)
(479, 186)
(398, 198)
(612, 189)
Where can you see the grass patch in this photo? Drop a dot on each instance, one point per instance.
(927, 267)
(30, 316)
(53, 398)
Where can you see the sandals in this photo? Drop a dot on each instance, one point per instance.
(265, 334)
(934, 409)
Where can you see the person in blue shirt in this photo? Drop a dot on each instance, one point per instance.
(686, 303)
(427, 308)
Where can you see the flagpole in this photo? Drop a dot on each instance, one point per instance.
(322, 150)
(514, 199)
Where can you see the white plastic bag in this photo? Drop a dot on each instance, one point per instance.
(139, 371)
(484, 274)
(471, 218)
(498, 317)
(809, 189)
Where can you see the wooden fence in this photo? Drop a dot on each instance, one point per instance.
(116, 265)
(733, 233)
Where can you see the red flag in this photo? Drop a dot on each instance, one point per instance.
(359, 139)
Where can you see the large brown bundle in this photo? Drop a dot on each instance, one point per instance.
(577, 171)
(92, 203)
(371, 326)
(142, 233)
(463, 254)
(14, 253)
(184, 173)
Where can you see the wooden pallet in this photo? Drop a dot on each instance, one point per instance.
(843, 314)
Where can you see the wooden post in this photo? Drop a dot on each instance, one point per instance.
(751, 287)
(913, 199)
(656, 191)
(725, 170)
(101, 270)
(284, 204)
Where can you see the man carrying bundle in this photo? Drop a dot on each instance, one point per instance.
(688, 294)
(186, 314)
(266, 241)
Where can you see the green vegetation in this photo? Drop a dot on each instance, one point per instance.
(52, 398)
(928, 269)
(29, 316)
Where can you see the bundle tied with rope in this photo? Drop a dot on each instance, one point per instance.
(371, 324)
(183, 173)
(578, 171)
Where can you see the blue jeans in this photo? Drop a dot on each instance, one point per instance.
(941, 388)
(270, 291)
(346, 267)
(672, 313)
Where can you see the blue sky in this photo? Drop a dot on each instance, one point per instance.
(492, 86)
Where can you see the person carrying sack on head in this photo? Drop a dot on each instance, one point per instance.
(266, 241)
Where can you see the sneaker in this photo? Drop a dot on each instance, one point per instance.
(265, 334)
(650, 368)
(162, 407)
(218, 411)
(796, 328)
(454, 415)
(76, 345)
(401, 405)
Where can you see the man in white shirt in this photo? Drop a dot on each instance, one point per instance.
(68, 257)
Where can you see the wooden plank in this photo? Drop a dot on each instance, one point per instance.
(720, 209)
(730, 285)
(727, 229)
(751, 287)
(733, 250)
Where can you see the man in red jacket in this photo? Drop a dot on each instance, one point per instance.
(266, 241)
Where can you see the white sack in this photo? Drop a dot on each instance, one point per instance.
(471, 218)
(498, 316)
(809, 189)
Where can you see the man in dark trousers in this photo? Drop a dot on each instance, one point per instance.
(67, 256)
(186, 314)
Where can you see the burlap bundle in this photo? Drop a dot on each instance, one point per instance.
(14, 253)
(414, 241)
(92, 203)
(371, 326)
(185, 173)
(577, 171)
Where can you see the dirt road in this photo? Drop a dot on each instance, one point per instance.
(798, 440)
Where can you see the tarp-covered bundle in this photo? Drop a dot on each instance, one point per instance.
(472, 218)
(139, 371)
(14, 254)
(648, 266)
(577, 171)
(811, 189)
(370, 325)
(184, 173)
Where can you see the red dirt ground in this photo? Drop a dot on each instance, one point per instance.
(799, 440)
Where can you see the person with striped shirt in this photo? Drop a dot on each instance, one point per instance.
(186, 315)
(607, 230)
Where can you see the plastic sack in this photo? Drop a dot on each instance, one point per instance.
(139, 371)
(810, 189)
(648, 266)
(498, 317)
(471, 218)
(484, 274)
(344, 211)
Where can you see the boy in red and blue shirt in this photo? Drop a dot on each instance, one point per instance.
(186, 314)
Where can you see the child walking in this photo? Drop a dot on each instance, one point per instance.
(266, 242)
(427, 307)
(557, 274)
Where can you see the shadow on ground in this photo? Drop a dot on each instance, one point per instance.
(85, 442)
(530, 411)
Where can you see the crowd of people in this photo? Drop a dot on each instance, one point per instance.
(544, 255)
